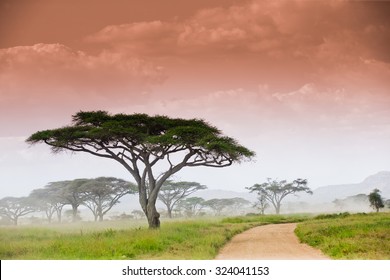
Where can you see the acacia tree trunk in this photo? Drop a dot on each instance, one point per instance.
(153, 216)
(74, 213)
(169, 210)
(277, 209)
(59, 216)
(49, 216)
(276, 206)
(148, 205)
(100, 211)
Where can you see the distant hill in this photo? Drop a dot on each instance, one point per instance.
(326, 194)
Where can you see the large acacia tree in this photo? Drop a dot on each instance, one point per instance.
(151, 148)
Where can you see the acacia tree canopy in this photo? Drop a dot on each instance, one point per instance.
(46, 201)
(218, 205)
(275, 191)
(15, 207)
(140, 142)
(191, 206)
(173, 192)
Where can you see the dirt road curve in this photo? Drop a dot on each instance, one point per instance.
(269, 242)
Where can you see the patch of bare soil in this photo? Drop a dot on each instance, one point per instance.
(269, 242)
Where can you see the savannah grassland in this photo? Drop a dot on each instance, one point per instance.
(351, 237)
(339, 236)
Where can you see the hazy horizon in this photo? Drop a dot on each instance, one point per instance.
(304, 84)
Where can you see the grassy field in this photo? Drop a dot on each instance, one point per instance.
(192, 239)
(362, 236)
(353, 237)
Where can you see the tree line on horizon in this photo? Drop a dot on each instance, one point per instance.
(100, 194)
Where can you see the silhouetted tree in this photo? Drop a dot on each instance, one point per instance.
(63, 193)
(261, 203)
(191, 206)
(275, 191)
(218, 205)
(101, 194)
(238, 204)
(376, 200)
(53, 193)
(140, 143)
(15, 207)
(173, 192)
(44, 202)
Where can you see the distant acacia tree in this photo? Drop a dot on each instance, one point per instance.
(15, 207)
(261, 203)
(52, 195)
(101, 194)
(219, 205)
(275, 191)
(173, 192)
(238, 204)
(191, 206)
(70, 193)
(376, 200)
(143, 144)
(63, 193)
(44, 202)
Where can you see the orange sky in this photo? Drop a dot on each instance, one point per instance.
(303, 83)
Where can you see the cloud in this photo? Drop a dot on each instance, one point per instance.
(334, 44)
(139, 37)
(54, 80)
(309, 109)
(237, 27)
(43, 72)
(318, 54)
(273, 28)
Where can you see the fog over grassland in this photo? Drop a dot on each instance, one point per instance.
(353, 198)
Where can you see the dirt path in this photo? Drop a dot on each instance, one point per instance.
(270, 242)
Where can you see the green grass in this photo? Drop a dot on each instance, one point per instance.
(193, 239)
(345, 236)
